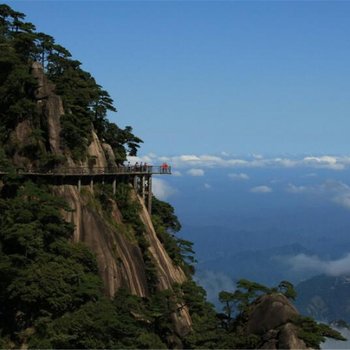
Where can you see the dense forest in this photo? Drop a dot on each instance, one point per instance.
(52, 294)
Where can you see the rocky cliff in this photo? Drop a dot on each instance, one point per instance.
(119, 258)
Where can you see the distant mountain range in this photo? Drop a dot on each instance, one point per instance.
(326, 298)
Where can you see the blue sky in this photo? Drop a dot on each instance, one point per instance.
(207, 77)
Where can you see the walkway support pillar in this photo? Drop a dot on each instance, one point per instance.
(149, 191)
(143, 187)
(114, 185)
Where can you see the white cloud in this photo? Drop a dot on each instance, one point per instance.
(261, 189)
(237, 163)
(214, 282)
(324, 162)
(313, 263)
(207, 186)
(176, 173)
(161, 189)
(257, 156)
(285, 162)
(189, 158)
(342, 199)
(296, 189)
(335, 191)
(196, 172)
(238, 176)
(142, 159)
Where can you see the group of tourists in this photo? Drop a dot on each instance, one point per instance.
(142, 167)
(164, 168)
(145, 168)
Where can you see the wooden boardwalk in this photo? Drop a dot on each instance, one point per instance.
(140, 177)
(94, 171)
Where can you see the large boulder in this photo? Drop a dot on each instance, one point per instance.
(270, 311)
(271, 317)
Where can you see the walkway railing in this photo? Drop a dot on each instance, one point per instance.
(76, 171)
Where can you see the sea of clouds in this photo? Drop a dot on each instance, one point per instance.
(253, 161)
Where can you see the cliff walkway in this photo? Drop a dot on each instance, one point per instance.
(94, 171)
(140, 176)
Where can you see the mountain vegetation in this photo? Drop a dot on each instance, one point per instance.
(52, 294)
(85, 102)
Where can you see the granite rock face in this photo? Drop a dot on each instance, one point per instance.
(120, 260)
(271, 317)
(50, 105)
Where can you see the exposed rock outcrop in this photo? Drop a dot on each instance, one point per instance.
(269, 312)
(96, 152)
(19, 139)
(110, 157)
(271, 317)
(120, 262)
(168, 273)
(50, 105)
(288, 338)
